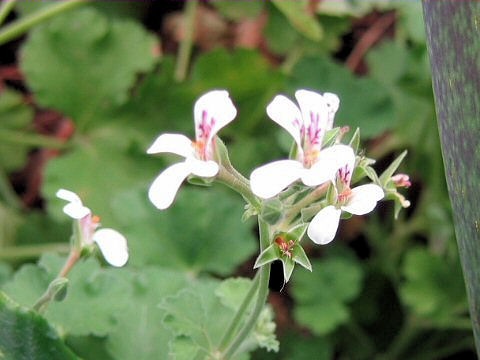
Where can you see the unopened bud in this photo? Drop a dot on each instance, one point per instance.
(401, 180)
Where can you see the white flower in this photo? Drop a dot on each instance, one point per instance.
(212, 112)
(358, 201)
(307, 124)
(112, 244)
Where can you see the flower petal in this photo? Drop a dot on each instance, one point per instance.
(333, 102)
(113, 246)
(329, 161)
(286, 114)
(212, 111)
(363, 199)
(68, 195)
(172, 143)
(323, 227)
(270, 179)
(202, 168)
(164, 188)
(314, 113)
(76, 210)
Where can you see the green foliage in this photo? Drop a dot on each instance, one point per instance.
(297, 14)
(15, 119)
(95, 68)
(184, 237)
(433, 287)
(322, 296)
(25, 335)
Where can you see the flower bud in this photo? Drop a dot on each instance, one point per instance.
(401, 180)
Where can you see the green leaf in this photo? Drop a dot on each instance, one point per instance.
(25, 335)
(16, 116)
(365, 103)
(321, 296)
(189, 234)
(433, 286)
(86, 73)
(236, 11)
(297, 13)
(98, 171)
(199, 315)
(388, 173)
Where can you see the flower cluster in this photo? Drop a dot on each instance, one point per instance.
(317, 177)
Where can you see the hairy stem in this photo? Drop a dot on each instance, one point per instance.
(261, 296)
(240, 313)
(239, 184)
(21, 26)
(307, 200)
(187, 41)
(42, 303)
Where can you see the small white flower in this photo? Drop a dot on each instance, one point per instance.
(358, 201)
(307, 124)
(112, 244)
(212, 112)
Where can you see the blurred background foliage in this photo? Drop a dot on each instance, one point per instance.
(85, 93)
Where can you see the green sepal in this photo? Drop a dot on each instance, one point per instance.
(330, 137)
(388, 173)
(308, 213)
(363, 169)
(345, 215)
(399, 200)
(288, 266)
(272, 211)
(268, 255)
(292, 154)
(58, 288)
(355, 141)
(300, 257)
(221, 153)
(297, 232)
(331, 195)
(249, 212)
(200, 181)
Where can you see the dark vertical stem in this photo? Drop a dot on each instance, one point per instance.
(453, 34)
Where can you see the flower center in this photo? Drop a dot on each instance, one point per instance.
(310, 157)
(204, 132)
(344, 196)
(285, 246)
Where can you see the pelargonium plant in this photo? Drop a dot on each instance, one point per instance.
(324, 179)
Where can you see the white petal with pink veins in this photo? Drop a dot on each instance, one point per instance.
(213, 111)
(329, 161)
(164, 188)
(113, 246)
(172, 143)
(202, 168)
(286, 114)
(270, 179)
(324, 225)
(363, 200)
(313, 104)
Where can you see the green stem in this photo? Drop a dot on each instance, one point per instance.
(42, 303)
(408, 332)
(187, 41)
(30, 139)
(5, 8)
(307, 200)
(31, 251)
(240, 312)
(238, 184)
(21, 26)
(261, 296)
